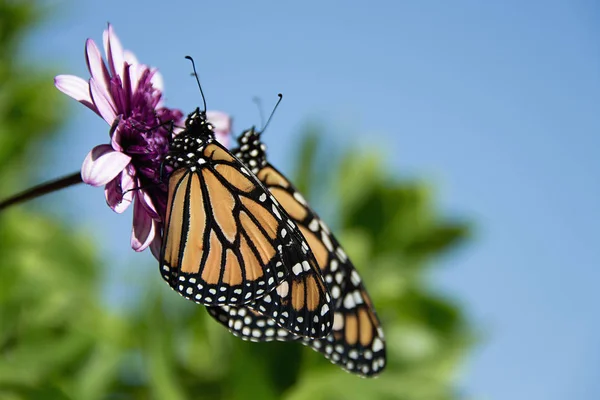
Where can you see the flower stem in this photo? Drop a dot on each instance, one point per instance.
(42, 189)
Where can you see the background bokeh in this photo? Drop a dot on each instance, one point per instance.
(461, 136)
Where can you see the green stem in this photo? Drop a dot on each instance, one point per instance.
(42, 189)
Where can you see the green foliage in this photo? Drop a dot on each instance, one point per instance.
(30, 108)
(59, 341)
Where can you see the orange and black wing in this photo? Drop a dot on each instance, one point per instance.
(356, 342)
(301, 303)
(334, 264)
(223, 234)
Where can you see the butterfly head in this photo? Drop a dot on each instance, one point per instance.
(185, 148)
(251, 150)
(197, 126)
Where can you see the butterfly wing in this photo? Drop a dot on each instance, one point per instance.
(356, 342)
(301, 303)
(227, 241)
(223, 233)
(329, 254)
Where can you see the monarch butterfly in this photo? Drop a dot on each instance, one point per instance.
(356, 342)
(226, 241)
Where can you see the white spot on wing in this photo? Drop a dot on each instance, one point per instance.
(377, 344)
(338, 321)
(334, 265)
(326, 241)
(349, 301)
(283, 289)
(335, 292)
(299, 197)
(297, 269)
(341, 254)
(358, 297)
(355, 277)
(276, 212)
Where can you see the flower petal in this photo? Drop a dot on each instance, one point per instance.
(147, 202)
(105, 107)
(156, 245)
(223, 138)
(118, 192)
(130, 58)
(143, 227)
(157, 80)
(102, 165)
(222, 124)
(220, 121)
(96, 66)
(114, 51)
(76, 88)
(136, 71)
(115, 133)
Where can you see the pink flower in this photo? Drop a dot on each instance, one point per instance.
(128, 96)
(221, 123)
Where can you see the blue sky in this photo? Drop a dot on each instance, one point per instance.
(495, 103)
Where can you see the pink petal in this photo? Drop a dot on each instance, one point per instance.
(147, 203)
(96, 65)
(114, 51)
(143, 227)
(115, 134)
(220, 121)
(135, 74)
(157, 80)
(102, 165)
(222, 124)
(105, 106)
(118, 192)
(130, 58)
(76, 88)
(156, 245)
(223, 138)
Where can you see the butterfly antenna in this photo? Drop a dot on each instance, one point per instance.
(272, 112)
(258, 103)
(197, 80)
